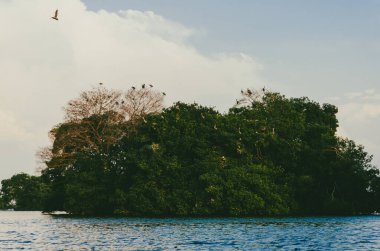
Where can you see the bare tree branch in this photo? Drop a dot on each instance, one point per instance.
(94, 121)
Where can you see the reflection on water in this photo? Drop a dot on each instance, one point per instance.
(34, 231)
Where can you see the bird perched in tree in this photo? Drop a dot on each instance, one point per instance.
(143, 86)
(133, 88)
(237, 102)
(151, 86)
(55, 17)
(249, 92)
(100, 83)
(164, 93)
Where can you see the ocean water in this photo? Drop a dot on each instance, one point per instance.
(35, 231)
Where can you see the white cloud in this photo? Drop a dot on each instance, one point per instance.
(153, 24)
(359, 119)
(333, 99)
(360, 112)
(353, 95)
(366, 95)
(12, 129)
(44, 63)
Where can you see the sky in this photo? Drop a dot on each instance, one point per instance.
(199, 50)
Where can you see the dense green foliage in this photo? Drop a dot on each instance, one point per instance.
(22, 192)
(274, 156)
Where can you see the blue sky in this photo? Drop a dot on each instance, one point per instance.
(326, 50)
(199, 50)
(312, 48)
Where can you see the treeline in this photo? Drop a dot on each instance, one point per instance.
(121, 153)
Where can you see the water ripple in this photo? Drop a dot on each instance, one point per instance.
(35, 231)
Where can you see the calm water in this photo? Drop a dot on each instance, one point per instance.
(34, 231)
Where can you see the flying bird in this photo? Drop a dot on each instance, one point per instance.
(55, 15)
(100, 83)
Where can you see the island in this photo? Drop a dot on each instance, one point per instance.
(121, 153)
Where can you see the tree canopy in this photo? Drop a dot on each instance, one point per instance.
(121, 153)
(22, 192)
